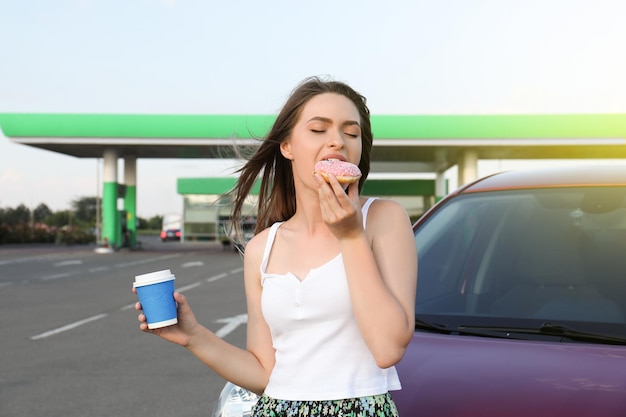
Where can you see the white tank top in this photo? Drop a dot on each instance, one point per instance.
(320, 353)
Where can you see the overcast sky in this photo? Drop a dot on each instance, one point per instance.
(205, 56)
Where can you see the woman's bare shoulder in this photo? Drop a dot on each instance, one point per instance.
(383, 208)
(256, 246)
(386, 215)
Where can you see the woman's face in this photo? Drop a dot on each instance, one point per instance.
(328, 128)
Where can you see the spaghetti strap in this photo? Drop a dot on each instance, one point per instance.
(365, 209)
(268, 245)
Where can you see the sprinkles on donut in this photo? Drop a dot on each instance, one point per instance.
(345, 172)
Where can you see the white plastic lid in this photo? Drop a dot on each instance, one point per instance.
(153, 278)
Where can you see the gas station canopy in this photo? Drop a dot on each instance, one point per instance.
(402, 143)
(397, 138)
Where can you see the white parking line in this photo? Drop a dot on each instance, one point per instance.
(190, 264)
(26, 259)
(128, 307)
(147, 260)
(55, 276)
(236, 271)
(231, 324)
(68, 327)
(188, 287)
(69, 262)
(216, 277)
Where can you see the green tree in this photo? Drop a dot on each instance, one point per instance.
(142, 223)
(155, 223)
(41, 213)
(84, 210)
(18, 215)
(59, 218)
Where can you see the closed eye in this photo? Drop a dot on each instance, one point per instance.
(317, 131)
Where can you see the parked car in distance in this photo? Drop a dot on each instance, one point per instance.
(171, 227)
(521, 300)
(170, 234)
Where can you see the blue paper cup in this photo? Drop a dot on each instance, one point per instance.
(156, 294)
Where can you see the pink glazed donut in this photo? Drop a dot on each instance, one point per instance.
(345, 172)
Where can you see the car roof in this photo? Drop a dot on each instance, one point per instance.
(553, 177)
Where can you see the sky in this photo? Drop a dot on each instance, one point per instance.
(244, 57)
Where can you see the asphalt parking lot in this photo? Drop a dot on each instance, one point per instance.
(70, 340)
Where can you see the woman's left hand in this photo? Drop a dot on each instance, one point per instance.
(341, 209)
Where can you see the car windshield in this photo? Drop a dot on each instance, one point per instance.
(507, 258)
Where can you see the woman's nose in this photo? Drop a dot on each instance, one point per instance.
(335, 139)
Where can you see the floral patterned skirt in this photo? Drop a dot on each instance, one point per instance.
(375, 406)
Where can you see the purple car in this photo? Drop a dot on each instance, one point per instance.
(521, 299)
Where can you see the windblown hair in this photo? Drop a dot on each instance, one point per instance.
(277, 195)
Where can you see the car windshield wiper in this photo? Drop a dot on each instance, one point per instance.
(426, 325)
(462, 330)
(559, 329)
(550, 329)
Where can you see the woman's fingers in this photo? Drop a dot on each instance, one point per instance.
(340, 207)
(143, 323)
(328, 198)
(331, 191)
(353, 192)
(179, 298)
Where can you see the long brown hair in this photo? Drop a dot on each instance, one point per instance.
(277, 195)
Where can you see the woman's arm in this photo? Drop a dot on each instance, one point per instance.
(381, 267)
(248, 368)
(383, 277)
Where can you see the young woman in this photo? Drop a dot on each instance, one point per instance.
(330, 276)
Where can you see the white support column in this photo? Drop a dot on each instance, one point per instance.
(468, 167)
(130, 170)
(440, 174)
(440, 185)
(110, 224)
(109, 171)
(130, 199)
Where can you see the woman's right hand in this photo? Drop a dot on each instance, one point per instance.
(180, 333)
(341, 209)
